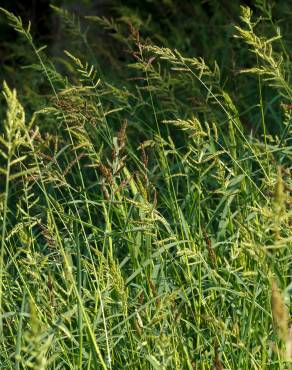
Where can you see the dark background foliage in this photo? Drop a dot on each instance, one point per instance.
(174, 23)
(196, 28)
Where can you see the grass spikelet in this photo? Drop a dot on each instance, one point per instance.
(122, 135)
(211, 252)
(279, 311)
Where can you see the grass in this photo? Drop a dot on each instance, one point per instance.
(146, 204)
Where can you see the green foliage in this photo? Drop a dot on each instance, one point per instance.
(146, 202)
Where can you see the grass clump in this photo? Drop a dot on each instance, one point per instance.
(146, 204)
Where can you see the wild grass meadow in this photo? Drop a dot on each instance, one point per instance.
(145, 188)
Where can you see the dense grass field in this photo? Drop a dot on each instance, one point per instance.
(145, 189)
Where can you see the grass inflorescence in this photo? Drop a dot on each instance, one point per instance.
(146, 202)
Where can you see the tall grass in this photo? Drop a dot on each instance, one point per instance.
(145, 217)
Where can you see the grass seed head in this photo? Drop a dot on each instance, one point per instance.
(279, 312)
